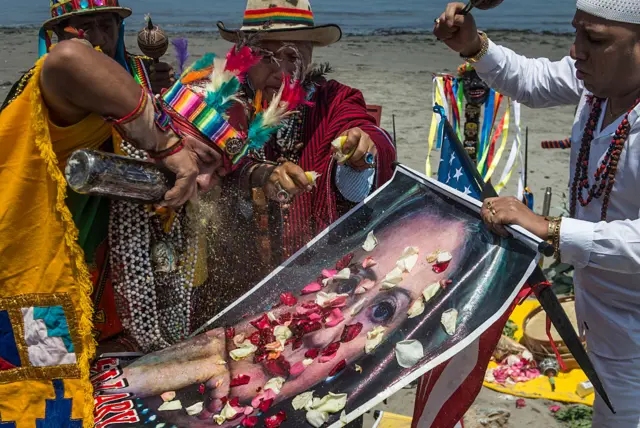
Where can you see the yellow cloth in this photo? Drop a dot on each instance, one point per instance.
(39, 251)
(566, 383)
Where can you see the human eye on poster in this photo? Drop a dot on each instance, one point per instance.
(399, 285)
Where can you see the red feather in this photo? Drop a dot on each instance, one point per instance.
(293, 94)
(239, 61)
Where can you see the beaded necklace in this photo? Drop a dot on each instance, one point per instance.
(606, 172)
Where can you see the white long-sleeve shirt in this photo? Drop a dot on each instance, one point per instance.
(606, 255)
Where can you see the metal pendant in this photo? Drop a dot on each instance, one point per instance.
(163, 257)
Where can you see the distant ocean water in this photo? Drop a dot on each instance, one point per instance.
(354, 16)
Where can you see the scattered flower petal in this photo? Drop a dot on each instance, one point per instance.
(554, 408)
(350, 332)
(239, 339)
(442, 262)
(265, 405)
(300, 366)
(282, 333)
(364, 286)
(334, 318)
(431, 291)
(520, 403)
(329, 273)
(368, 262)
(274, 384)
(331, 300)
(449, 320)
(168, 396)
(343, 418)
(302, 401)
(312, 176)
(314, 317)
(276, 420)
(392, 279)
(374, 338)
(344, 262)
(358, 368)
(262, 322)
(288, 299)
(370, 243)
(311, 288)
(312, 353)
(355, 309)
(316, 418)
(247, 348)
(170, 405)
(196, 409)
(338, 368)
(409, 352)
(249, 421)
(240, 380)
(408, 259)
(331, 403)
(271, 316)
(229, 332)
(416, 308)
(342, 275)
(433, 257)
(263, 396)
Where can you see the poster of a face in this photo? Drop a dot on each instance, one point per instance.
(397, 286)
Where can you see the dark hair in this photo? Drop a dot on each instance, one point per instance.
(60, 26)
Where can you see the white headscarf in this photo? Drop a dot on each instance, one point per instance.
(614, 10)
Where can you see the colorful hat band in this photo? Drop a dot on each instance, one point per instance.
(207, 120)
(67, 6)
(279, 15)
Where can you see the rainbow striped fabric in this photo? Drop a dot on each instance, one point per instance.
(205, 119)
(280, 15)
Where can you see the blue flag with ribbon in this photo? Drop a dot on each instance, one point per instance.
(451, 170)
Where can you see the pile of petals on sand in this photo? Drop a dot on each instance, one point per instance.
(514, 369)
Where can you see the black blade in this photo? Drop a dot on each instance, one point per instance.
(548, 300)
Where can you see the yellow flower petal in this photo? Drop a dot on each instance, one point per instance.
(392, 279)
(331, 403)
(196, 409)
(416, 308)
(374, 338)
(355, 309)
(247, 348)
(302, 401)
(431, 291)
(316, 418)
(449, 320)
(358, 368)
(408, 259)
(282, 333)
(274, 384)
(170, 405)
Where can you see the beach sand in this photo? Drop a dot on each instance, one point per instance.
(396, 72)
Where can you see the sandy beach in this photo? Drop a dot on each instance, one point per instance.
(396, 72)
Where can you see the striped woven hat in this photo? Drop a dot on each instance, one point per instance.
(283, 20)
(63, 9)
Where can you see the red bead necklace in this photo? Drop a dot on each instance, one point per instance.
(606, 172)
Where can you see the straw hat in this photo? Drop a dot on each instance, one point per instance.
(63, 9)
(283, 20)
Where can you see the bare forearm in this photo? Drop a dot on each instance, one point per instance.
(76, 79)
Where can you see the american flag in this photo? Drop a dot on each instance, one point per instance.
(445, 393)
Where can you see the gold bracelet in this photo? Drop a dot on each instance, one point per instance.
(483, 49)
(556, 236)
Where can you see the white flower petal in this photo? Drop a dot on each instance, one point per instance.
(444, 257)
(303, 400)
(196, 409)
(247, 348)
(392, 279)
(274, 384)
(307, 362)
(170, 405)
(343, 418)
(282, 333)
(431, 291)
(409, 352)
(238, 339)
(358, 368)
(449, 320)
(355, 309)
(408, 259)
(433, 257)
(316, 418)
(343, 274)
(331, 403)
(416, 308)
(312, 176)
(370, 243)
(374, 338)
(364, 286)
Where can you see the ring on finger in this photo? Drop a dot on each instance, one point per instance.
(369, 159)
(282, 196)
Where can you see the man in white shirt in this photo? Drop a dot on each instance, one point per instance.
(602, 237)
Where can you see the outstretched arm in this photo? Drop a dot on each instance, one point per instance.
(533, 82)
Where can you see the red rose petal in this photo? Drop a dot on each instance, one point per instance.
(249, 421)
(262, 322)
(240, 380)
(297, 344)
(312, 353)
(441, 267)
(201, 388)
(344, 262)
(338, 368)
(230, 332)
(332, 348)
(311, 327)
(334, 318)
(297, 368)
(327, 358)
(235, 402)
(278, 367)
(276, 420)
(329, 273)
(288, 299)
(350, 332)
(314, 317)
(311, 288)
(265, 404)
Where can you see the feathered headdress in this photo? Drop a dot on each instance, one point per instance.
(211, 86)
